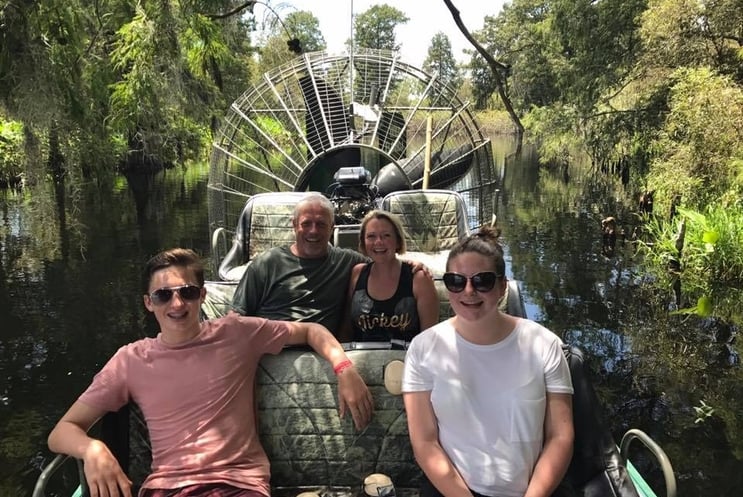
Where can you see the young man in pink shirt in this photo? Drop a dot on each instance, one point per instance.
(194, 384)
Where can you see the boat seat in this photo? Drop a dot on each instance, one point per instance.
(597, 469)
(434, 220)
(310, 447)
(265, 222)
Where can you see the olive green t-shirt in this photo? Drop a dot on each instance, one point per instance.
(279, 285)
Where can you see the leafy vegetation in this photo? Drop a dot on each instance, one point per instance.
(132, 84)
(650, 90)
(11, 153)
(440, 61)
(375, 27)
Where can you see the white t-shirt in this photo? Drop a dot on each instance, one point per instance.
(489, 400)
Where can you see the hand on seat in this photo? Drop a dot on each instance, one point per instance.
(354, 396)
(102, 472)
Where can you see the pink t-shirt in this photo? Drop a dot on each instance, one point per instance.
(198, 401)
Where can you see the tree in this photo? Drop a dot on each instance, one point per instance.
(302, 26)
(440, 60)
(483, 83)
(679, 33)
(121, 83)
(520, 37)
(375, 27)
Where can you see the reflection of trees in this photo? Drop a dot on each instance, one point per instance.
(687, 358)
(559, 222)
(651, 367)
(63, 317)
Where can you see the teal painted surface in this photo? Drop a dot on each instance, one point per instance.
(642, 487)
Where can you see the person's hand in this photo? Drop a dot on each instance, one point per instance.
(354, 396)
(419, 266)
(102, 472)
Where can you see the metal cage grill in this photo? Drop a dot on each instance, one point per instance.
(319, 112)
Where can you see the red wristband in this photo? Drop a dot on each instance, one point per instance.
(342, 366)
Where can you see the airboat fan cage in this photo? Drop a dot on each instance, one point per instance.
(307, 118)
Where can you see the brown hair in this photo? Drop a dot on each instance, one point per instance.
(396, 225)
(484, 242)
(174, 257)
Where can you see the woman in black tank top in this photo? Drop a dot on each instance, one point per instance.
(387, 300)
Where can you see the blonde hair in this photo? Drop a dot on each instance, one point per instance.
(396, 225)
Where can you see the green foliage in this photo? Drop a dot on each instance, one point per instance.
(375, 27)
(559, 143)
(305, 26)
(11, 151)
(708, 250)
(687, 33)
(274, 51)
(483, 82)
(120, 77)
(440, 61)
(520, 37)
(699, 153)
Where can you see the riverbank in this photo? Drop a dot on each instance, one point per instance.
(495, 122)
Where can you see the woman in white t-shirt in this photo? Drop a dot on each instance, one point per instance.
(488, 395)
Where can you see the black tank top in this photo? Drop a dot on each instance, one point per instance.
(382, 320)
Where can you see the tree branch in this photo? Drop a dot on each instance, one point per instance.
(494, 65)
(236, 10)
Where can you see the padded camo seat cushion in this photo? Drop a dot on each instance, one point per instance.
(434, 220)
(306, 441)
(265, 222)
(270, 225)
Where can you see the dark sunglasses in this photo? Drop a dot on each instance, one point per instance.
(186, 292)
(482, 282)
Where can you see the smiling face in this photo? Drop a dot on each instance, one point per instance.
(178, 318)
(470, 305)
(313, 227)
(380, 240)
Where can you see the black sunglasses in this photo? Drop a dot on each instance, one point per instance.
(482, 282)
(186, 292)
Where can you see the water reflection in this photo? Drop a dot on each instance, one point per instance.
(669, 375)
(63, 312)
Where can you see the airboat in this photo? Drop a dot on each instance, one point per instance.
(369, 131)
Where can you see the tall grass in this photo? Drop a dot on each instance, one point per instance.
(709, 262)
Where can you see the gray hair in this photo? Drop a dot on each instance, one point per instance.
(314, 198)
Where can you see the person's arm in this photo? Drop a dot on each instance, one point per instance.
(345, 331)
(424, 438)
(555, 458)
(353, 394)
(426, 300)
(102, 471)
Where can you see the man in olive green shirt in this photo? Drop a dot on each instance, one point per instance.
(305, 281)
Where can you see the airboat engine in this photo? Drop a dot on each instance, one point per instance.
(352, 194)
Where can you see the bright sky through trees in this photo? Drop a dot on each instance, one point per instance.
(427, 17)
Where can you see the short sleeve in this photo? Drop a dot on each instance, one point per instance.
(416, 375)
(109, 390)
(260, 335)
(556, 370)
